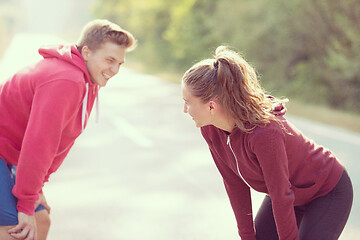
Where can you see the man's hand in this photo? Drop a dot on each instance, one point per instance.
(26, 228)
(42, 201)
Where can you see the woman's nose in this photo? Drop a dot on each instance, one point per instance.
(185, 108)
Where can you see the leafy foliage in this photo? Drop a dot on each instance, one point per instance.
(308, 49)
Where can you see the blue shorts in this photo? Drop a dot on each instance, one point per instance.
(8, 211)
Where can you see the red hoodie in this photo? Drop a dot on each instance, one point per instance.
(41, 116)
(292, 169)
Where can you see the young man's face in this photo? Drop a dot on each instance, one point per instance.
(104, 62)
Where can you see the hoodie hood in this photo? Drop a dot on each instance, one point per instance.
(68, 54)
(279, 110)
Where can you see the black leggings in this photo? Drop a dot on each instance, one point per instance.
(322, 219)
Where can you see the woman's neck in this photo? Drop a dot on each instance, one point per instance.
(226, 124)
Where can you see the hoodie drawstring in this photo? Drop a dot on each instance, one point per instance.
(97, 106)
(84, 115)
(84, 108)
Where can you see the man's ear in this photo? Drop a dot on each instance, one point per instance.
(85, 52)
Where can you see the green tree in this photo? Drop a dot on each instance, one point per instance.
(308, 49)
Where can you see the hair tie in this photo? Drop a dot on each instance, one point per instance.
(216, 64)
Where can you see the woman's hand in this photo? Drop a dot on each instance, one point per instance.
(26, 228)
(42, 201)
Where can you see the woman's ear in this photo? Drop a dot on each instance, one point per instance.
(212, 106)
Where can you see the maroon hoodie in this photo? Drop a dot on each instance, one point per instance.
(44, 108)
(289, 167)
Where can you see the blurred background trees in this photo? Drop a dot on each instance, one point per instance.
(307, 49)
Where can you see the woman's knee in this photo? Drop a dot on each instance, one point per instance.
(264, 222)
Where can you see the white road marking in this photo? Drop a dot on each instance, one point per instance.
(130, 131)
(328, 131)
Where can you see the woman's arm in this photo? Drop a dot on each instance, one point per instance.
(238, 193)
(269, 148)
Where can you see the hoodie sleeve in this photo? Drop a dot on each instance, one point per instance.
(238, 192)
(240, 200)
(269, 147)
(54, 105)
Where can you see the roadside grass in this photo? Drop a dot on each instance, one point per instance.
(324, 114)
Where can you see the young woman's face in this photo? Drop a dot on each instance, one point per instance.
(104, 62)
(199, 111)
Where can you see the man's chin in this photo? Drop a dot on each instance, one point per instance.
(102, 84)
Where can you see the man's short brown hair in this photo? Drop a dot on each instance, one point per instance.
(98, 31)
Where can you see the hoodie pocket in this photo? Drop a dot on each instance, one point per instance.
(304, 193)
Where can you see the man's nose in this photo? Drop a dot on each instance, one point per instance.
(115, 68)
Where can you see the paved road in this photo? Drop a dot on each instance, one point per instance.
(144, 172)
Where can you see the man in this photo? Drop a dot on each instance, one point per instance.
(44, 108)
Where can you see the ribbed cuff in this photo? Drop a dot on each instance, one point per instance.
(26, 207)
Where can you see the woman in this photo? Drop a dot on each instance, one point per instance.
(309, 194)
